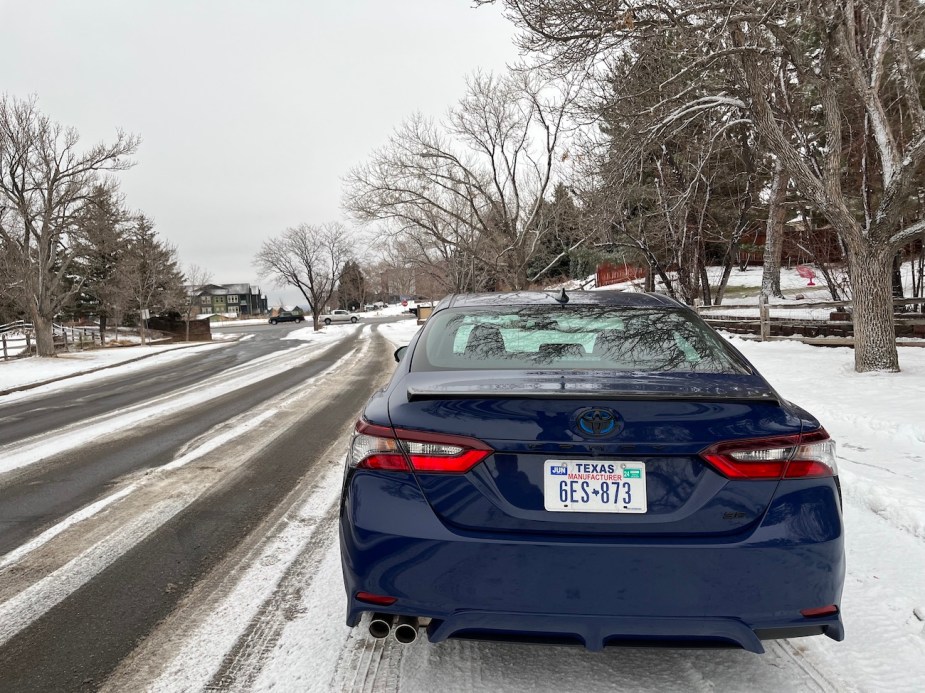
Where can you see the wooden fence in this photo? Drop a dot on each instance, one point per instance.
(800, 322)
(17, 338)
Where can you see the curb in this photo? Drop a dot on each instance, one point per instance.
(32, 386)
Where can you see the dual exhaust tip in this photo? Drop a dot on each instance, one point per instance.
(405, 628)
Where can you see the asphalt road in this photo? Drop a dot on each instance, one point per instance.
(21, 420)
(77, 643)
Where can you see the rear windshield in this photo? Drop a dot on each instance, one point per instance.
(572, 337)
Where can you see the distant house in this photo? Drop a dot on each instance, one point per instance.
(286, 309)
(230, 299)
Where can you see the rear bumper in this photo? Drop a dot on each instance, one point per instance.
(594, 590)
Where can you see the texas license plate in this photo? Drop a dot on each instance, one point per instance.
(594, 487)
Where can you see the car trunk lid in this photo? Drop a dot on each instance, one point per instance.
(530, 419)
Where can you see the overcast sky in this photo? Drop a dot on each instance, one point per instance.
(250, 112)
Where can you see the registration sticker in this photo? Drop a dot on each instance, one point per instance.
(598, 486)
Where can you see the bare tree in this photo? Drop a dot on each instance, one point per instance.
(832, 87)
(475, 183)
(195, 277)
(44, 183)
(310, 258)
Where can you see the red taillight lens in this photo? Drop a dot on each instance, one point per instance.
(820, 611)
(776, 457)
(381, 447)
(378, 599)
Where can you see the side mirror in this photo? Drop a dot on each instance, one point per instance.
(399, 353)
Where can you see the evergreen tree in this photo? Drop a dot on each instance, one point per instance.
(103, 225)
(352, 288)
(149, 274)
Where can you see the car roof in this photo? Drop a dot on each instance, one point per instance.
(551, 298)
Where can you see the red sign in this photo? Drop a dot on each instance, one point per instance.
(404, 304)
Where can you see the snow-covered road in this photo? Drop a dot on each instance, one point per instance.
(269, 615)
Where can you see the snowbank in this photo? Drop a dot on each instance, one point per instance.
(27, 371)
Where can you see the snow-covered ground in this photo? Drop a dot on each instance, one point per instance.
(790, 282)
(246, 322)
(281, 609)
(400, 333)
(14, 374)
(331, 333)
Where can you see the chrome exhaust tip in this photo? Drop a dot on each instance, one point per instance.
(406, 629)
(380, 625)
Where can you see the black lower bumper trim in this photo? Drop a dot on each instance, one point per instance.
(791, 632)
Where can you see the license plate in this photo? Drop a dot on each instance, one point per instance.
(594, 487)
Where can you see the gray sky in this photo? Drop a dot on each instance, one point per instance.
(250, 112)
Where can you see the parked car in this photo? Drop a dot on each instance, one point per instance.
(287, 316)
(600, 468)
(338, 316)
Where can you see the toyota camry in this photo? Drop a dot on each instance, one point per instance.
(598, 468)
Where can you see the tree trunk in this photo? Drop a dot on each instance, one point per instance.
(705, 284)
(915, 272)
(650, 279)
(727, 271)
(774, 235)
(44, 336)
(102, 330)
(872, 296)
(897, 276)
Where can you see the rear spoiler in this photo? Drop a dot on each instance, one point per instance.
(421, 395)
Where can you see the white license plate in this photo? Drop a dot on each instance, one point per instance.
(594, 486)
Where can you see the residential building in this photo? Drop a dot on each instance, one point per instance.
(231, 299)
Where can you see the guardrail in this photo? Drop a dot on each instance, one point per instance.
(802, 321)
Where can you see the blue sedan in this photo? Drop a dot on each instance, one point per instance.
(598, 468)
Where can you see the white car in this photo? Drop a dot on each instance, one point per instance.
(338, 316)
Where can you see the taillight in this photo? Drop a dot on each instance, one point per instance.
(374, 447)
(776, 457)
(381, 447)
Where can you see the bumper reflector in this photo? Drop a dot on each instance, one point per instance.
(820, 611)
(378, 599)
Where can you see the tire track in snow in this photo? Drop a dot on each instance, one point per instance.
(883, 649)
(367, 664)
(242, 664)
(785, 650)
